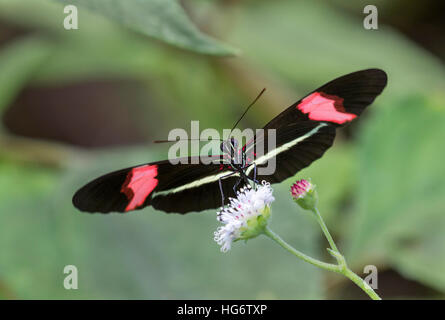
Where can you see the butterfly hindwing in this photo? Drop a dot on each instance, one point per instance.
(180, 188)
(294, 152)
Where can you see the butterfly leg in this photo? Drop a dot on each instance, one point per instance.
(254, 180)
(236, 185)
(221, 188)
(222, 192)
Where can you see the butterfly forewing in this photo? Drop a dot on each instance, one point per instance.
(306, 129)
(338, 102)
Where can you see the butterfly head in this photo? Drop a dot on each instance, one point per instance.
(230, 147)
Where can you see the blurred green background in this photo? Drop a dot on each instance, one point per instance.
(77, 104)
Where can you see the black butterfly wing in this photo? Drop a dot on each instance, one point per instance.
(180, 188)
(297, 146)
(306, 129)
(338, 102)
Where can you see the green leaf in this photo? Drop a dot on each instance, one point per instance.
(302, 42)
(18, 63)
(28, 251)
(161, 19)
(399, 214)
(422, 258)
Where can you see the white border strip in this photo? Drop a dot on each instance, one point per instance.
(263, 159)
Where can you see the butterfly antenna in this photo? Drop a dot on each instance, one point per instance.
(247, 109)
(166, 141)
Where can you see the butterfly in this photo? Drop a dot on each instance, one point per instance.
(303, 132)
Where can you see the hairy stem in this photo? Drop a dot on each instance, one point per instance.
(340, 268)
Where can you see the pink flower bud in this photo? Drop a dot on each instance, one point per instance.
(304, 193)
(300, 188)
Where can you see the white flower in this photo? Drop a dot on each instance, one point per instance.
(246, 216)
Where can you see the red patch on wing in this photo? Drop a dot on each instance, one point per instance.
(138, 185)
(324, 107)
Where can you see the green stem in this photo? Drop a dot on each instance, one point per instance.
(328, 266)
(341, 259)
(361, 283)
(341, 267)
(325, 229)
